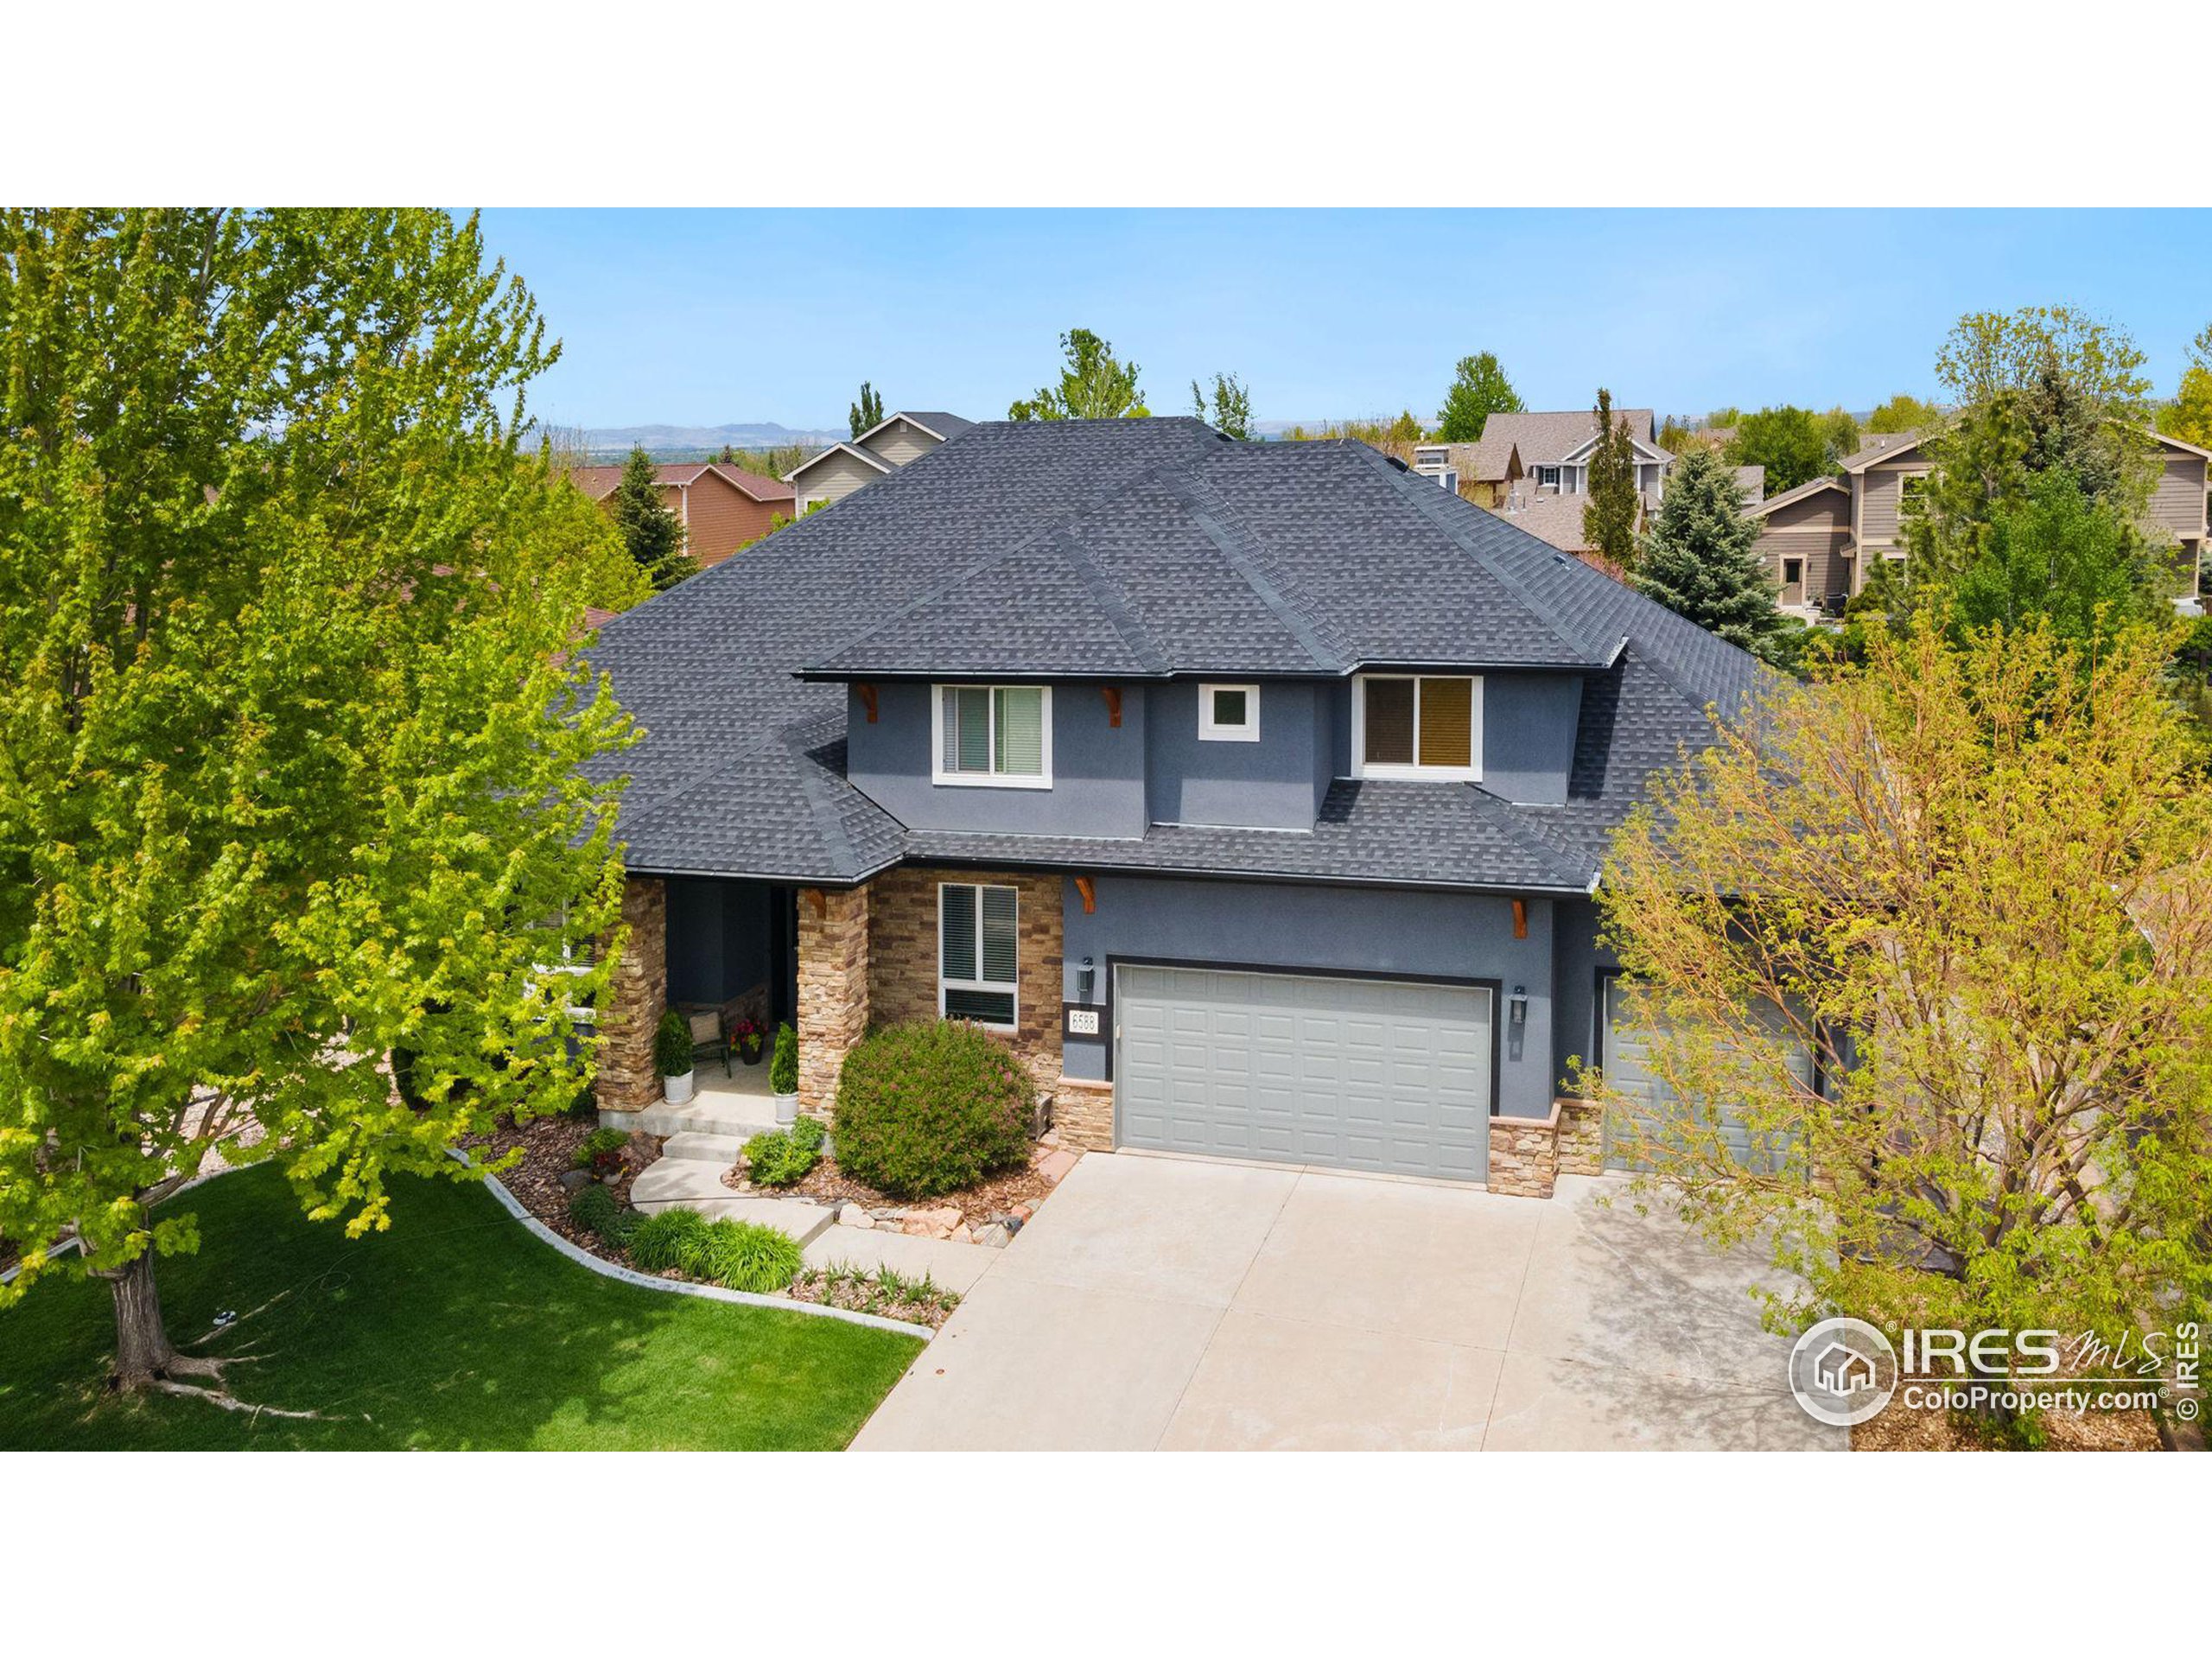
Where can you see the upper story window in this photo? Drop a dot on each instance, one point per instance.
(993, 735)
(1417, 726)
(1228, 713)
(1547, 478)
(1449, 478)
(1910, 488)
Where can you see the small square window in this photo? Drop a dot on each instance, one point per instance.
(1228, 713)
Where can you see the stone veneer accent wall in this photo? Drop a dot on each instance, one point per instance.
(1581, 1137)
(902, 951)
(1083, 1111)
(833, 989)
(628, 1080)
(1524, 1155)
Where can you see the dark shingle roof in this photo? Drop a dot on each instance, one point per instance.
(1128, 549)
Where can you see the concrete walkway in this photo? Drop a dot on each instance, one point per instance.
(1163, 1303)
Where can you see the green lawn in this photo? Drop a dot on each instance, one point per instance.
(456, 1329)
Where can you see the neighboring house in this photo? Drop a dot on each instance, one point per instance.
(1822, 538)
(877, 453)
(721, 507)
(1533, 468)
(1256, 794)
(1486, 472)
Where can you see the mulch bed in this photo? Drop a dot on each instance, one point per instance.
(1933, 1428)
(827, 1184)
(548, 1146)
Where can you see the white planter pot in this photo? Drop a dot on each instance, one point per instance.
(786, 1109)
(678, 1089)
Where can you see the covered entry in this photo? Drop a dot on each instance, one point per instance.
(1376, 1074)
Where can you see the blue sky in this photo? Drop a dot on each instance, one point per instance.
(706, 316)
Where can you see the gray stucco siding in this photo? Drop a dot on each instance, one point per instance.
(1098, 769)
(1276, 783)
(1326, 930)
(1528, 724)
(1578, 960)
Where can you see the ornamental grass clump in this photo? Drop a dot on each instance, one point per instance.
(931, 1107)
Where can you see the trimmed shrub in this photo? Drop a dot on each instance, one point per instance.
(744, 1255)
(595, 1211)
(782, 1157)
(672, 1044)
(783, 1065)
(931, 1107)
(673, 1238)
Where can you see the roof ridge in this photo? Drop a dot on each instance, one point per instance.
(1420, 490)
(1508, 817)
(1276, 588)
(1112, 599)
(1058, 525)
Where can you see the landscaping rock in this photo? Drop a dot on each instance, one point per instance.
(575, 1179)
(1056, 1166)
(853, 1216)
(995, 1235)
(960, 1235)
(920, 1226)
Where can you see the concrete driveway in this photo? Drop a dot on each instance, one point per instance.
(1157, 1302)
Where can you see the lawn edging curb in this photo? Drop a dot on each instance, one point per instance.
(608, 1269)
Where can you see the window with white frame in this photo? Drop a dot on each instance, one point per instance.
(1417, 726)
(1449, 478)
(1547, 478)
(1910, 488)
(993, 735)
(978, 953)
(1228, 713)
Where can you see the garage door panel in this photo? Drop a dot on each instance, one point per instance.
(1362, 1074)
(1626, 1061)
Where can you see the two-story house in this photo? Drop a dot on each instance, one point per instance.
(721, 507)
(1533, 468)
(1256, 794)
(1823, 539)
(877, 453)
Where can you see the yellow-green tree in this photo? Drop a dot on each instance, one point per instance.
(1976, 886)
(292, 722)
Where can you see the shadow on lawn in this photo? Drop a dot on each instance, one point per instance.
(455, 1329)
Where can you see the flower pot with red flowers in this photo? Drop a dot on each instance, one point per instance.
(750, 1039)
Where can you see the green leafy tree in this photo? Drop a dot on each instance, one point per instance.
(1095, 385)
(2189, 417)
(1972, 883)
(654, 534)
(1839, 434)
(1699, 561)
(1790, 442)
(1479, 390)
(1232, 406)
(2059, 555)
(1989, 355)
(293, 727)
(1904, 413)
(866, 414)
(1611, 516)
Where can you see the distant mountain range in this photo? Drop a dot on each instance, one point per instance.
(680, 443)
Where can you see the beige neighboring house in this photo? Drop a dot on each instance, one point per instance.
(877, 453)
(1533, 468)
(1822, 539)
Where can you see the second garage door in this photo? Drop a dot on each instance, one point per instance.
(1630, 1029)
(1352, 1073)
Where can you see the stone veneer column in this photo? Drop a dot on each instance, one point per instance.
(628, 1079)
(1524, 1155)
(833, 990)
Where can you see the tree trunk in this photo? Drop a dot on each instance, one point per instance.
(144, 1353)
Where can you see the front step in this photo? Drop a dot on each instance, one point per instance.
(697, 1116)
(692, 1144)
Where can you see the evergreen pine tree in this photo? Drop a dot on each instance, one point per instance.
(1698, 560)
(1608, 520)
(653, 533)
(868, 414)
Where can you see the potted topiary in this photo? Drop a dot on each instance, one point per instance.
(673, 1057)
(750, 1038)
(783, 1075)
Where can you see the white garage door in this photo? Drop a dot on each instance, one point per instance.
(1352, 1073)
(1630, 1028)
